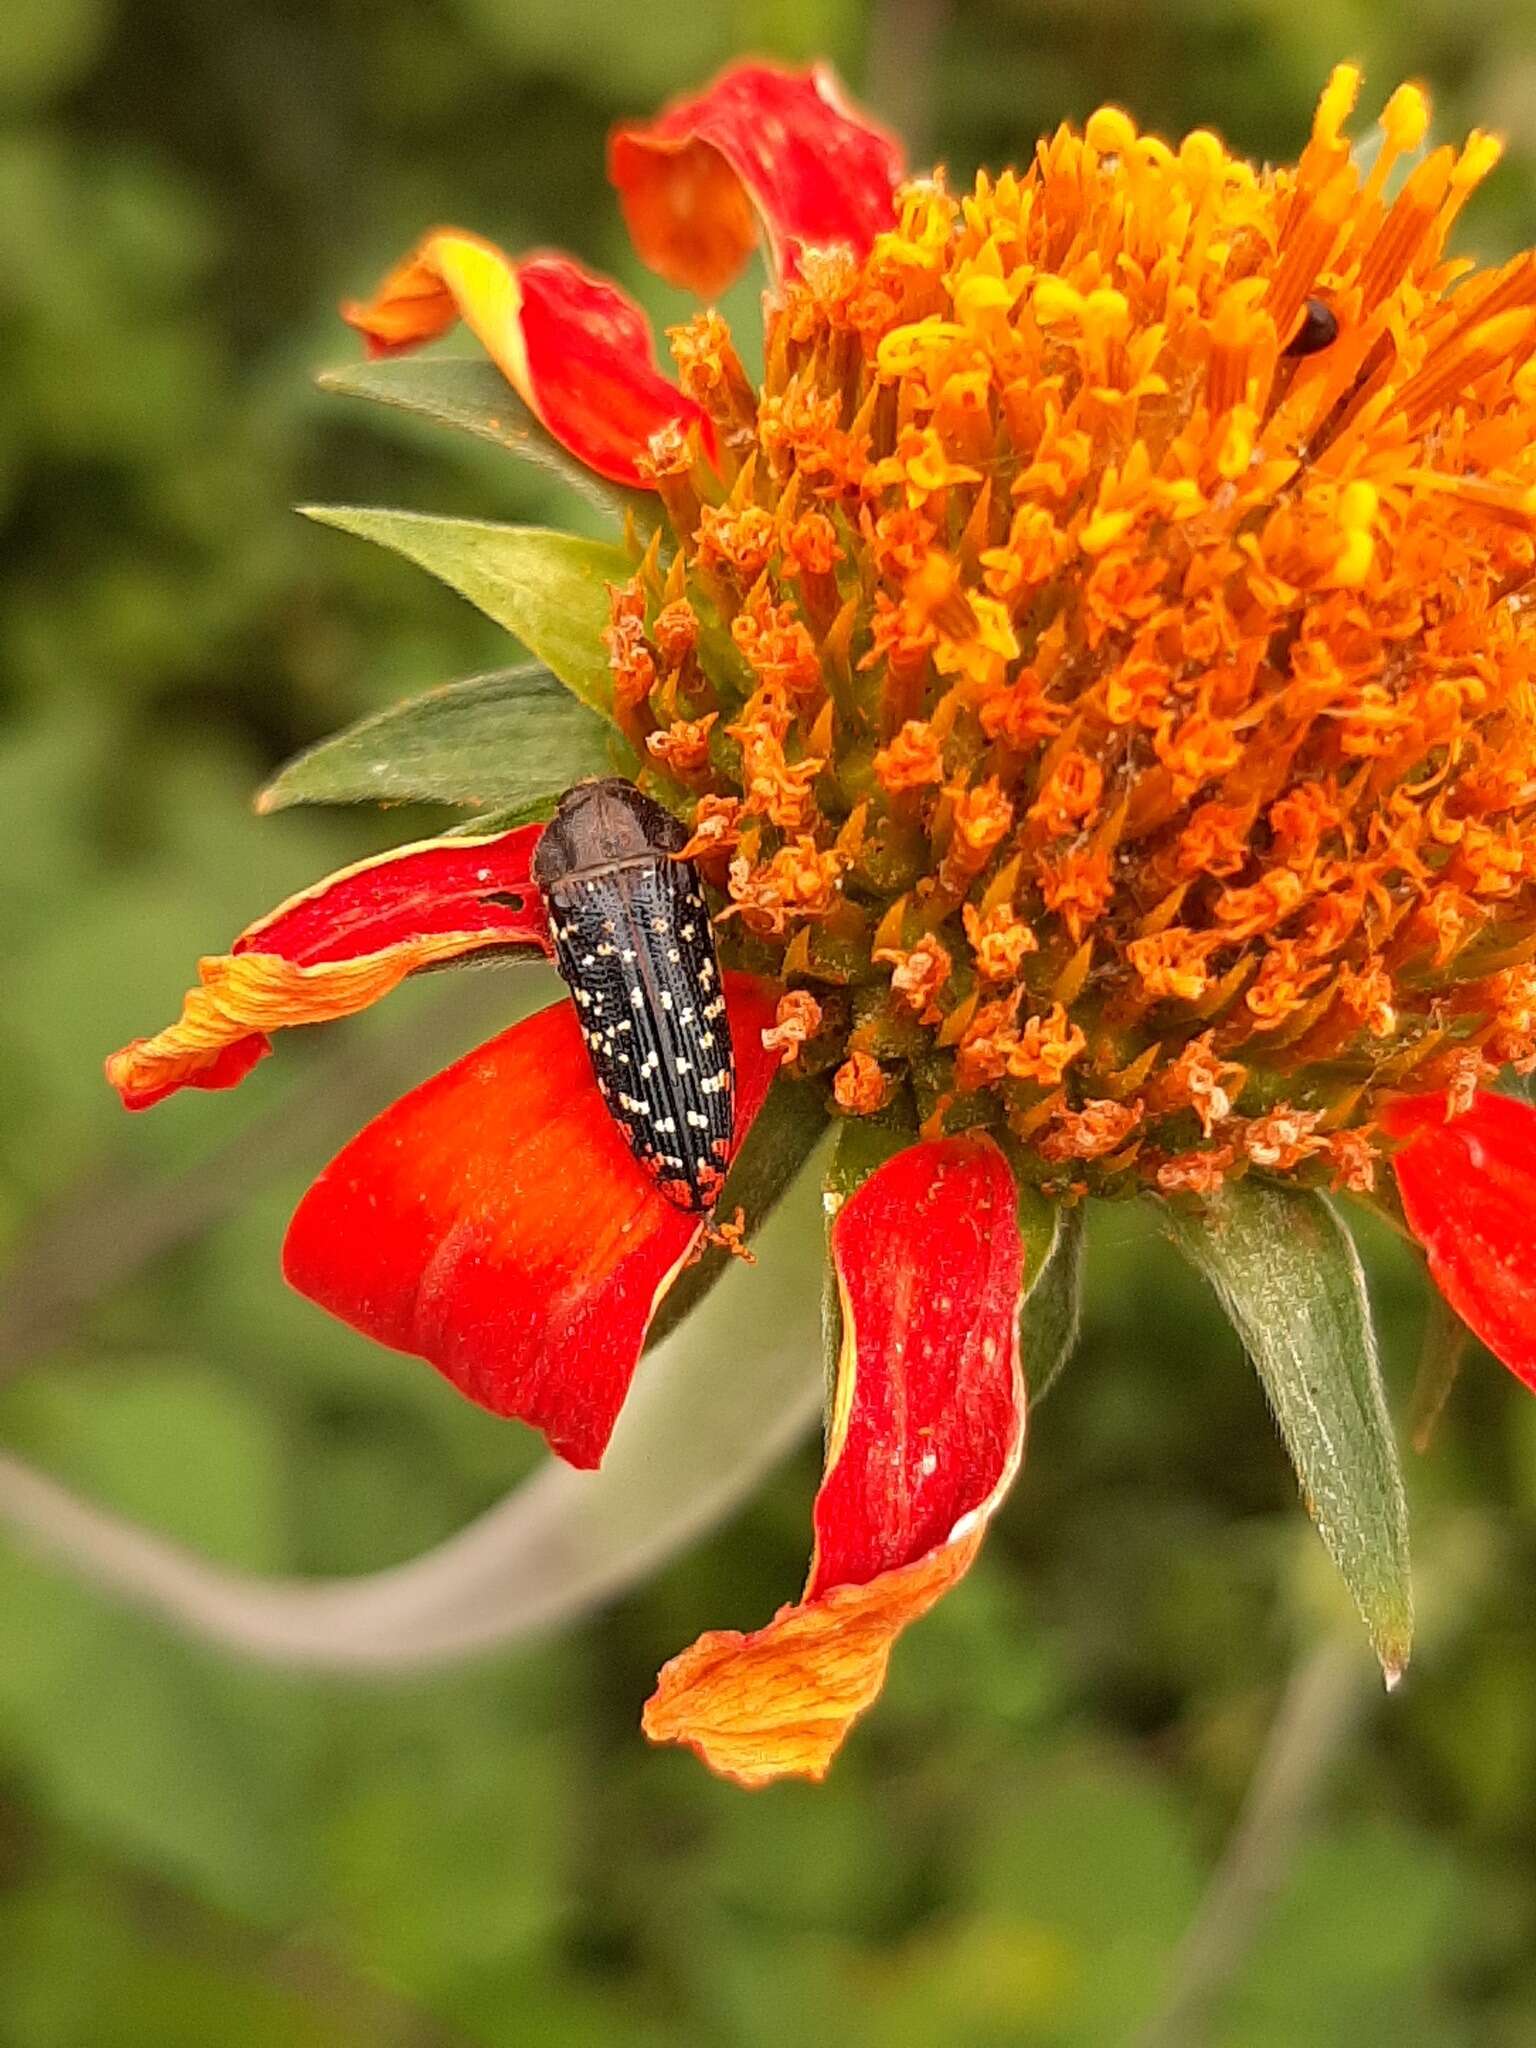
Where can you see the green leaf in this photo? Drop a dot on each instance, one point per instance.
(549, 590)
(1442, 1354)
(486, 824)
(783, 1136)
(509, 739)
(471, 394)
(863, 1146)
(1287, 1273)
(1053, 1297)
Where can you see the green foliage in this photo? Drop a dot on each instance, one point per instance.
(474, 397)
(786, 1131)
(511, 739)
(548, 590)
(1053, 1304)
(1287, 1273)
(1008, 1852)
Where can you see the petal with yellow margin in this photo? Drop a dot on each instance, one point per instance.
(575, 349)
(337, 948)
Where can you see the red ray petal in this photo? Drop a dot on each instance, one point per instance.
(336, 948)
(1468, 1190)
(760, 147)
(926, 1433)
(573, 347)
(495, 1223)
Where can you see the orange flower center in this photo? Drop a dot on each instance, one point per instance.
(1100, 673)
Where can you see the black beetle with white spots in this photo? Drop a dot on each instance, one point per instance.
(635, 945)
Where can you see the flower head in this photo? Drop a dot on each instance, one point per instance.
(1167, 676)
(1094, 667)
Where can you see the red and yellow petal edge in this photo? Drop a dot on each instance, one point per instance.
(926, 1434)
(575, 349)
(337, 948)
(495, 1223)
(761, 147)
(1468, 1186)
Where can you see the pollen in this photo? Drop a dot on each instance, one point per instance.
(796, 885)
(998, 939)
(1046, 1047)
(1099, 1127)
(1098, 662)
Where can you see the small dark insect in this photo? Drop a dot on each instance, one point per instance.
(634, 943)
(1319, 329)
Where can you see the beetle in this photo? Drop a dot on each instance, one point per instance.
(635, 945)
(1316, 329)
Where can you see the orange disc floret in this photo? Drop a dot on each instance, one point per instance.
(683, 749)
(918, 976)
(914, 758)
(1115, 605)
(798, 1018)
(859, 1087)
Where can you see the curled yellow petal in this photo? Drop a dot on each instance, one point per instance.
(335, 949)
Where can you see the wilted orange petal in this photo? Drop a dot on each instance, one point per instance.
(495, 1223)
(761, 147)
(1468, 1188)
(574, 348)
(778, 1704)
(927, 1431)
(337, 948)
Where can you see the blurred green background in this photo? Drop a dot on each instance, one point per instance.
(1013, 1845)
